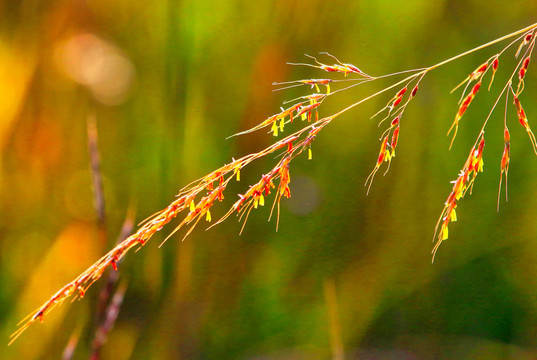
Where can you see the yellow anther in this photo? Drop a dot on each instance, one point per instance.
(453, 215)
(445, 232)
(274, 129)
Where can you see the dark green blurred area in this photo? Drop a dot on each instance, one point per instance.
(168, 81)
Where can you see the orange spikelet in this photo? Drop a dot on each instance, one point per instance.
(477, 72)
(396, 101)
(401, 92)
(382, 152)
(526, 41)
(504, 164)
(524, 68)
(305, 111)
(384, 155)
(314, 83)
(495, 64)
(462, 109)
(414, 91)
(524, 122)
(522, 73)
(395, 138)
(477, 164)
(505, 159)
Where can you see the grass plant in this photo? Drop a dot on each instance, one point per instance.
(301, 122)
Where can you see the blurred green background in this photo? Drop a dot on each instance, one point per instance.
(347, 275)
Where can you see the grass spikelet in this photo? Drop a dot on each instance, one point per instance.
(494, 66)
(526, 41)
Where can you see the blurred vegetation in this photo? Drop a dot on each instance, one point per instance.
(168, 81)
